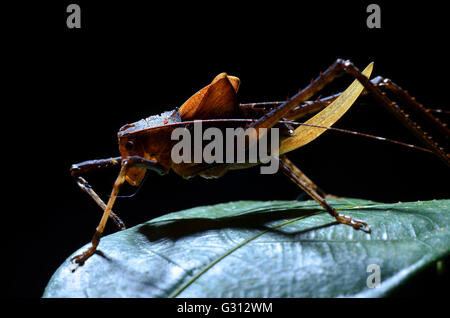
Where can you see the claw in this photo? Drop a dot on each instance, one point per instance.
(81, 258)
(356, 224)
(360, 225)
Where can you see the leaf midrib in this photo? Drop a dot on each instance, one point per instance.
(209, 266)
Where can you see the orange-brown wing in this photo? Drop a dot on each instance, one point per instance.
(217, 100)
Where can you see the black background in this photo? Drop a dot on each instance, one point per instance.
(71, 90)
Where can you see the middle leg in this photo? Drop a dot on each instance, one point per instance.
(299, 178)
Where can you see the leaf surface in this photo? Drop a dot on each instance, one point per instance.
(263, 249)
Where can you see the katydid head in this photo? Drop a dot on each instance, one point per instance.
(130, 146)
(147, 138)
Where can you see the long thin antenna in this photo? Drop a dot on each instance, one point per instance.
(346, 131)
(351, 132)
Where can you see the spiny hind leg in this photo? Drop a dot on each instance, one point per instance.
(339, 67)
(403, 95)
(397, 111)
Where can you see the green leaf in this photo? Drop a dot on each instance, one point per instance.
(263, 249)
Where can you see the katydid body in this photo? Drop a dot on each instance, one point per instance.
(146, 144)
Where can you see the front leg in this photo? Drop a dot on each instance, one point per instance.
(132, 161)
(79, 169)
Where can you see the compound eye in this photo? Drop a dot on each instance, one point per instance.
(129, 145)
